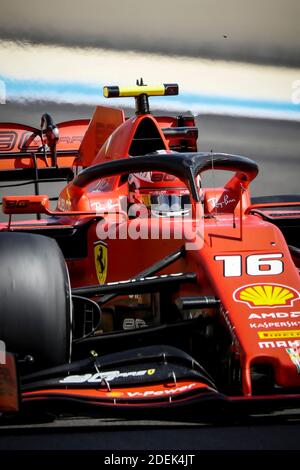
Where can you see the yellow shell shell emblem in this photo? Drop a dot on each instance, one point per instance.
(101, 260)
(266, 295)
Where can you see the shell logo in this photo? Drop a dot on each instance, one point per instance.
(266, 295)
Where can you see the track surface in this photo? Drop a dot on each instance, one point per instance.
(259, 433)
(275, 146)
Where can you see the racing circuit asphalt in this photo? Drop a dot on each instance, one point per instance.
(275, 145)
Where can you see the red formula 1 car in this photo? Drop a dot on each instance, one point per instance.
(143, 289)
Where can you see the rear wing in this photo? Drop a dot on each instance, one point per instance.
(28, 153)
(53, 152)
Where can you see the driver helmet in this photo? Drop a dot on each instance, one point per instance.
(163, 194)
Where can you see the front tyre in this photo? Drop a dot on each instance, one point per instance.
(35, 299)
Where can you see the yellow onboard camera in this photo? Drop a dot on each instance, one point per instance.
(141, 92)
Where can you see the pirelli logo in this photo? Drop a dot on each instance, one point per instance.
(279, 334)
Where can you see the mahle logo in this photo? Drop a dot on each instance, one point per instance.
(2, 352)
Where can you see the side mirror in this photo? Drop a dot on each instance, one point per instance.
(25, 204)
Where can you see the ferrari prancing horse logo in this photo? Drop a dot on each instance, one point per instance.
(100, 254)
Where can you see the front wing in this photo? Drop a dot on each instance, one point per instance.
(153, 378)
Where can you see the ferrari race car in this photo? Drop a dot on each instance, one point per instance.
(143, 289)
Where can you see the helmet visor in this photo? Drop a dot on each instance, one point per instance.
(170, 205)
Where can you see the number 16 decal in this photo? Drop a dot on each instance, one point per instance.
(256, 265)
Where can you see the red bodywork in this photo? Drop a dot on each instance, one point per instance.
(244, 259)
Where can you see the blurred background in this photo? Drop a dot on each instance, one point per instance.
(237, 64)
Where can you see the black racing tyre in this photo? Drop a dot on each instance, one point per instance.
(35, 299)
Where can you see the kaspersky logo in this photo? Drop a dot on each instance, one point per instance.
(266, 295)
